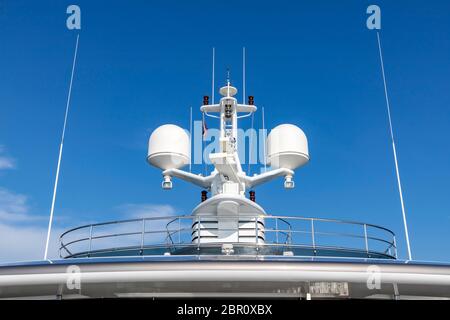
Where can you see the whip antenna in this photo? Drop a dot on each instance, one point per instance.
(393, 148)
(190, 138)
(55, 188)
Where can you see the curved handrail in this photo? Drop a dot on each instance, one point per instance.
(193, 245)
(241, 215)
(288, 232)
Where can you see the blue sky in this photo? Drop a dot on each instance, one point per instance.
(142, 64)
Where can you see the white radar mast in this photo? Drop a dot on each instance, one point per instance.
(228, 207)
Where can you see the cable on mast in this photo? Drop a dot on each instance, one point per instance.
(55, 188)
(405, 224)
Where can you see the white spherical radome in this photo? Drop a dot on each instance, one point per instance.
(287, 147)
(169, 147)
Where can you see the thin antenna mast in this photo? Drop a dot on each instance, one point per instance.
(251, 145)
(264, 144)
(61, 150)
(190, 138)
(204, 144)
(393, 148)
(213, 71)
(243, 75)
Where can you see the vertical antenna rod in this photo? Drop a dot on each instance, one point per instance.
(60, 150)
(393, 148)
(250, 149)
(265, 140)
(213, 68)
(243, 75)
(190, 138)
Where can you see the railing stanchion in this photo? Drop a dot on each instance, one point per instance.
(90, 240)
(198, 233)
(276, 230)
(237, 229)
(61, 245)
(395, 247)
(313, 236)
(179, 230)
(290, 234)
(256, 233)
(143, 236)
(365, 239)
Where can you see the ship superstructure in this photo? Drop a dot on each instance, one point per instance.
(229, 246)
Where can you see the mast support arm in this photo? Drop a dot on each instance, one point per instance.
(266, 176)
(204, 182)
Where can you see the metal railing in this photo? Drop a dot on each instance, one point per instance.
(282, 235)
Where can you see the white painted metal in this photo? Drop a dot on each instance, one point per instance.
(287, 147)
(168, 150)
(227, 217)
(246, 272)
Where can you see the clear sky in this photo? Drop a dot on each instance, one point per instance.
(144, 63)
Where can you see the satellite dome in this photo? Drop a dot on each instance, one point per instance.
(287, 147)
(169, 147)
